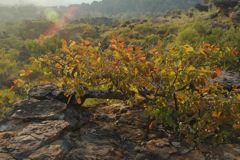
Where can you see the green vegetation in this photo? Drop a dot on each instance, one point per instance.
(164, 62)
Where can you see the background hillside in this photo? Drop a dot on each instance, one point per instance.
(109, 8)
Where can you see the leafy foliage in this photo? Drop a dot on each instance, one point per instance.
(163, 77)
(8, 65)
(7, 98)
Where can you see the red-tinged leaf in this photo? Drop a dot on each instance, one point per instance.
(113, 41)
(86, 42)
(151, 125)
(236, 126)
(78, 99)
(142, 59)
(150, 65)
(121, 39)
(218, 71)
(217, 115)
(152, 51)
(11, 88)
(113, 46)
(204, 90)
(22, 71)
(15, 81)
(159, 44)
(206, 45)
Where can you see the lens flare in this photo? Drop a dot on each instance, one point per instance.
(62, 21)
(51, 15)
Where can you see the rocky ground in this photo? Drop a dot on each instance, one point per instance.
(45, 127)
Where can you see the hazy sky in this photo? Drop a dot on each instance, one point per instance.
(46, 2)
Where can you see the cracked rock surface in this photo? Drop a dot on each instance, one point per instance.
(48, 128)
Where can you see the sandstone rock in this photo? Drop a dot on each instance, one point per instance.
(231, 151)
(54, 152)
(23, 143)
(46, 92)
(4, 156)
(47, 131)
(35, 109)
(57, 131)
(193, 155)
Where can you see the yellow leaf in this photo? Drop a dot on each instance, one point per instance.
(238, 97)
(67, 93)
(125, 69)
(65, 50)
(191, 68)
(99, 59)
(204, 90)
(75, 74)
(188, 48)
(136, 71)
(113, 46)
(64, 43)
(69, 99)
(73, 43)
(117, 55)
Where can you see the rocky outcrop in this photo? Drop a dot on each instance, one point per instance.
(235, 14)
(229, 80)
(201, 8)
(45, 127)
(225, 6)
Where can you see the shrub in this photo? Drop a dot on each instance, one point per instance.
(173, 82)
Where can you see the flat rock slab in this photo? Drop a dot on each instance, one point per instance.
(46, 92)
(36, 109)
(23, 143)
(4, 156)
(48, 152)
